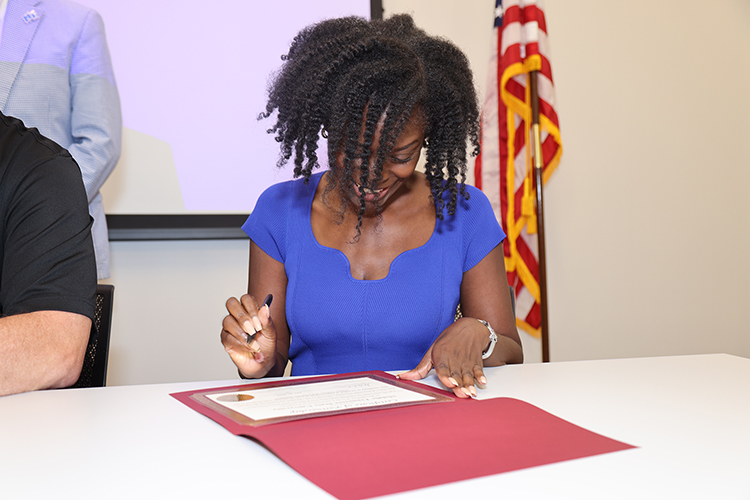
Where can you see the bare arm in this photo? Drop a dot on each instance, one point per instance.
(268, 354)
(485, 295)
(41, 350)
(456, 355)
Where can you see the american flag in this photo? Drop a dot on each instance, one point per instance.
(504, 170)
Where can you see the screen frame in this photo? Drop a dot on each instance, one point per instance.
(124, 227)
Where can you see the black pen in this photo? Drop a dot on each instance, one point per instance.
(267, 303)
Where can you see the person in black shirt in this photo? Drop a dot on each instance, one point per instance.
(47, 264)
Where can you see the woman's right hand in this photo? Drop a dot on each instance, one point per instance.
(256, 358)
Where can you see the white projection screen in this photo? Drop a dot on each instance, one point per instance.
(192, 77)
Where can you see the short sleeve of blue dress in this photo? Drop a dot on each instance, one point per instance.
(265, 226)
(340, 324)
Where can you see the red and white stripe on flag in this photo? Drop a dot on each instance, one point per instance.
(503, 170)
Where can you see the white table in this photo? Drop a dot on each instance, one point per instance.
(689, 416)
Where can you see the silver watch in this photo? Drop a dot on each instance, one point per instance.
(493, 339)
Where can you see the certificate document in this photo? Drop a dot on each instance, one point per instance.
(342, 432)
(281, 401)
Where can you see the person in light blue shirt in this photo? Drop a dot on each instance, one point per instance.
(56, 75)
(368, 261)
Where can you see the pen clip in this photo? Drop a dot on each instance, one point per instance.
(267, 301)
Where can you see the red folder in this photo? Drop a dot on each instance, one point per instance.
(385, 451)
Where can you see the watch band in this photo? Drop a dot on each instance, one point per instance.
(493, 339)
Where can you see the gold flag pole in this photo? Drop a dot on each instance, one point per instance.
(538, 170)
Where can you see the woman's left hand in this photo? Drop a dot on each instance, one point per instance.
(456, 356)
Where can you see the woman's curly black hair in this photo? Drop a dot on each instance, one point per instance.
(342, 73)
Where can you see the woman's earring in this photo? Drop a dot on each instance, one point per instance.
(324, 133)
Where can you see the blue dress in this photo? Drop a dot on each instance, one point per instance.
(339, 324)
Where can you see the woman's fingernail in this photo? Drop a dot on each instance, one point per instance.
(453, 381)
(256, 322)
(249, 327)
(473, 391)
(483, 380)
(466, 391)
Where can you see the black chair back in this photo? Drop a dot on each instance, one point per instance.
(94, 371)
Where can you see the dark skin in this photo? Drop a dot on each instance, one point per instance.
(407, 220)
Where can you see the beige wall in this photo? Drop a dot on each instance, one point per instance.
(648, 215)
